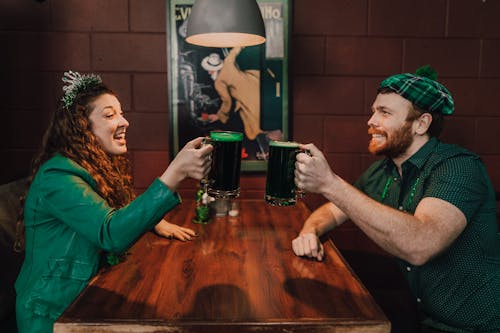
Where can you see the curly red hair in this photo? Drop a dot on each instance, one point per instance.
(69, 134)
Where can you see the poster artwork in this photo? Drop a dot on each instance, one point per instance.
(237, 89)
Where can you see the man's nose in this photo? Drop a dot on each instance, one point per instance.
(371, 121)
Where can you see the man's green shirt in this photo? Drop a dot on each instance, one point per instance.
(460, 287)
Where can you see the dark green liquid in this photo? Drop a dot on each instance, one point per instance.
(226, 163)
(280, 172)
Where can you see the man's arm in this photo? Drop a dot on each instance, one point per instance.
(322, 220)
(414, 238)
(222, 85)
(226, 101)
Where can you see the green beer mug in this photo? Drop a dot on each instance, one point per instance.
(223, 180)
(280, 179)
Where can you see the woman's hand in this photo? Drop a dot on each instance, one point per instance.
(170, 230)
(192, 161)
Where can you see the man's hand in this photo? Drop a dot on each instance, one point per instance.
(312, 172)
(308, 245)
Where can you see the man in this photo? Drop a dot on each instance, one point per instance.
(429, 204)
(212, 64)
(231, 82)
(240, 81)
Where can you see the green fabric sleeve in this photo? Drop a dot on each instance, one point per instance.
(460, 181)
(68, 195)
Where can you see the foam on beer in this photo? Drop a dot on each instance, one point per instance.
(285, 144)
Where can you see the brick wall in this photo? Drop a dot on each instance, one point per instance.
(341, 49)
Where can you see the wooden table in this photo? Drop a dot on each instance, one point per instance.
(239, 275)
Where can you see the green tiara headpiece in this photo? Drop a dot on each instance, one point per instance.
(76, 83)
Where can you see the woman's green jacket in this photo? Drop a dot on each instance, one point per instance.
(68, 225)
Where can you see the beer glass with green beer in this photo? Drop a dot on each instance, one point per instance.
(280, 184)
(223, 180)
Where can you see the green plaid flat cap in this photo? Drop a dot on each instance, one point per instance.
(427, 94)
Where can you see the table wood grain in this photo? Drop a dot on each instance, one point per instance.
(239, 275)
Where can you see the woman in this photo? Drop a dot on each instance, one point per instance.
(81, 203)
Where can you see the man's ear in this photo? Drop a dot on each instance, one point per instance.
(422, 123)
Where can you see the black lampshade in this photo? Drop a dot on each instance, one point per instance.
(225, 23)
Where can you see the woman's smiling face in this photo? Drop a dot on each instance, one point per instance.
(108, 124)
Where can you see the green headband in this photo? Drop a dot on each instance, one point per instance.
(422, 89)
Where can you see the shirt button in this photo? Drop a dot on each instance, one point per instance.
(408, 268)
(400, 207)
(419, 300)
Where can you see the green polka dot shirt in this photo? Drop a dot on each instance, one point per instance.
(458, 290)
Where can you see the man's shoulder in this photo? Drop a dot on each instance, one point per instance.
(449, 158)
(445, 151)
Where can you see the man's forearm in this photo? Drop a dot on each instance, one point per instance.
(320, 221)
(390, 228)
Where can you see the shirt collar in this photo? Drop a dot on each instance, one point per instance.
(422, 155)
(419, 158)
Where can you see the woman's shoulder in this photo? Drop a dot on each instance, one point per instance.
(59, 161)
(59, 165)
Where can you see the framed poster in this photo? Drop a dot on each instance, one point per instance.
(243, 89)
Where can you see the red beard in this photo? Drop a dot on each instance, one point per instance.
(396, 143)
